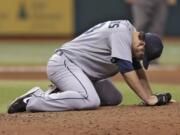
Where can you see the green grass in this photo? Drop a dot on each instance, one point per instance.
(38, 53)
(171, 54)
(9, 90)
(25, 53)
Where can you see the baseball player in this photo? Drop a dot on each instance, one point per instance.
(80, 70)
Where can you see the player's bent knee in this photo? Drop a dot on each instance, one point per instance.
(114, 100)
(91, 104)
(117, 99)
(96, 103)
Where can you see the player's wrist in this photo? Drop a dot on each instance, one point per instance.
(152, 100)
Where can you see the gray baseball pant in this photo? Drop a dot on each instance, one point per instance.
(77, 90)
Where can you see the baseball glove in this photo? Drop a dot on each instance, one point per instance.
(163, 98)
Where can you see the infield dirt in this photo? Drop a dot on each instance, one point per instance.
(119, 120)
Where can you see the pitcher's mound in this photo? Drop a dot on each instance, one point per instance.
(119, 120)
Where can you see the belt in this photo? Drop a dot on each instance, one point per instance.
(59, 52)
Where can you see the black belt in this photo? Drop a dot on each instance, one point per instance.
(59, 52)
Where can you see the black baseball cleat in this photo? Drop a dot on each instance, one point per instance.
(20, 103)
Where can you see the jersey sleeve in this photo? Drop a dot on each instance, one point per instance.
(120, 42)
(124, 66)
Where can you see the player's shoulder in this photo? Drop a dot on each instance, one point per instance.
(120, 25)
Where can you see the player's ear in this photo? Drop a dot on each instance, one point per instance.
(141, 36)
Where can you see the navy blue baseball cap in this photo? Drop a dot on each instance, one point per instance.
(153, 48)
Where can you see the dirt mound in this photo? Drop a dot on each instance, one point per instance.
(120, 120)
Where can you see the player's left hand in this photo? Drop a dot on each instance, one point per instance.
(162, 99)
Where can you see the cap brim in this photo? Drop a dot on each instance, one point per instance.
(145, 62)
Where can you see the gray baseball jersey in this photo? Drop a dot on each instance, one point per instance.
(94, 49)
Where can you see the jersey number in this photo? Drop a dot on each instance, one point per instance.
(113, 24)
